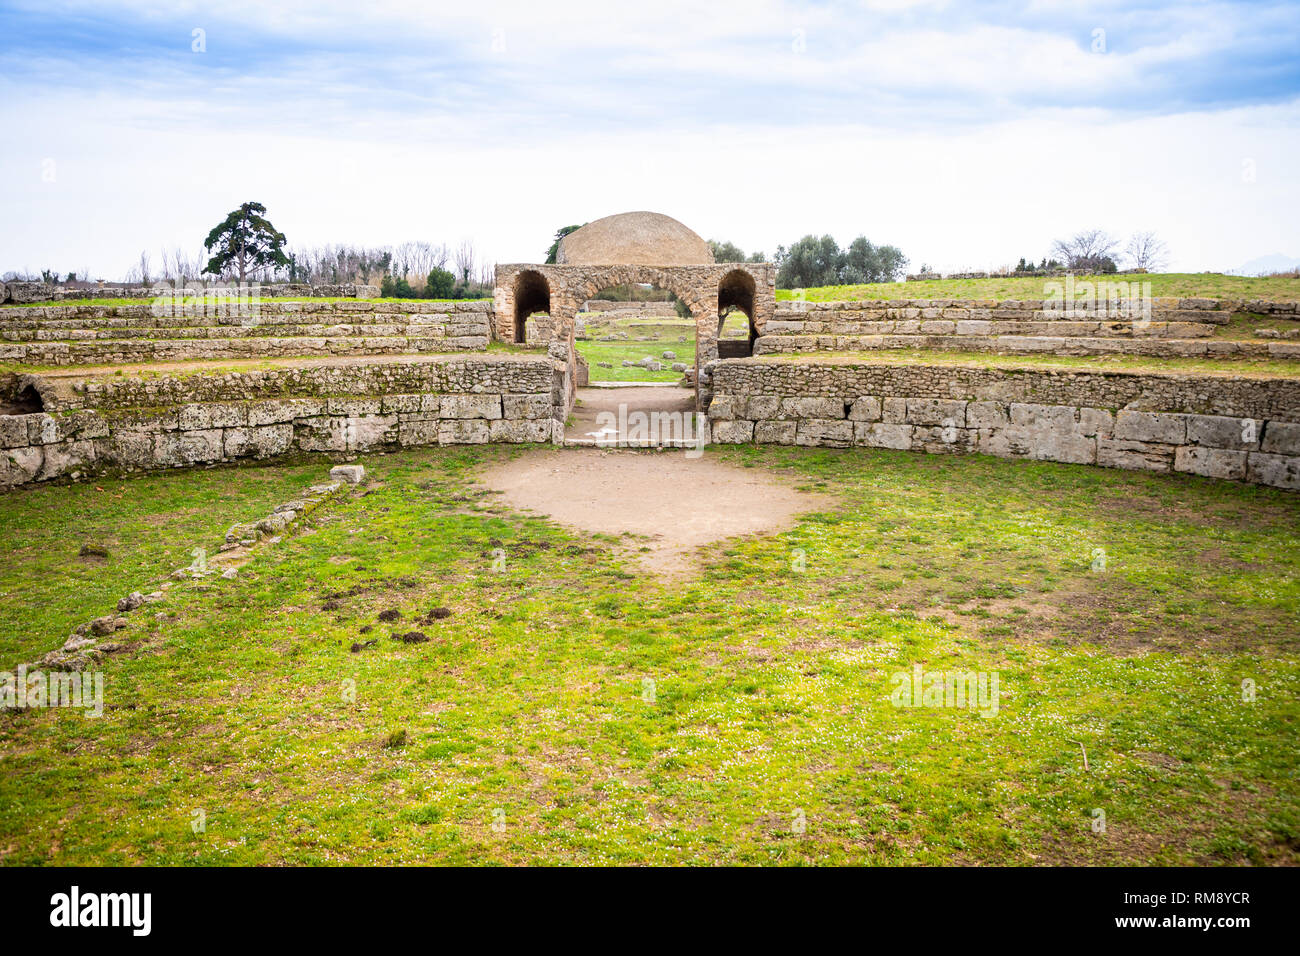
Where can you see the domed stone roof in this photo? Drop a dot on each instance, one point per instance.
(634, 239)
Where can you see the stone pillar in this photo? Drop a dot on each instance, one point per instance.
(706, 352)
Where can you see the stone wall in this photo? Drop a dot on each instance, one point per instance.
(21, 291)
(1242, 428)
(85, 334)
(1172, 328)
(107, 425)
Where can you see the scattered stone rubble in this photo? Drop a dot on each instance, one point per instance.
(85, 645)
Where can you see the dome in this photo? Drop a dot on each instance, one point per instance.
(634, 239)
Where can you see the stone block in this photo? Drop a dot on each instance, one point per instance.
(986, 415)
(470, 431)
(21, 465)
(520, 430)
(936, 411)
(1134, 455)
(824, 408)
(775, 432)
(1211, 462)
(1164, 427)
(416, 433)
(893, 411)
(865, 409)
(188, 448)
(1281, 438)
(1221, 431)
(1030, 415)
(1280, 471)
(212, 415)
(830, 432)
(882, 435)
(537, 405)
(469, 407)
(285, 410)
(724, 408)
(262, 441)
(1096, 422)
(731, 432)
(762, 406)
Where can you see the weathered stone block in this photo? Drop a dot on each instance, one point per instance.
(287, 410)
(893, 411)
(723, 408)
(1096, 422)
(936, 411)
(865, 409)
(537, 405)
(401, 404)
(520, 430)
(1211, 462)
(762, 406)
(1134, 455)
(1220, 431)
(825, 408)
(21, 465)
(212, 415)
(986, 415)
(1163, 427)
(1030, 415)
(835, 433)
(1281, 438)
(13, 431)
(731, 432)
(882, 435)
(472, 431)
(262, 441)
(1280, 471)
(775, 432)
(415, 433)
(188, 448)
(470, 406)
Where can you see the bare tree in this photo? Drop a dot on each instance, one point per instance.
(1092, 249)
(464, 258)
(1146, 251)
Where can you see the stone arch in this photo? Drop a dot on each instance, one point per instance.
(531, 294)
(737, 290)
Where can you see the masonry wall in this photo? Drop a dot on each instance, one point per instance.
(83, 334)
(1237, 428)
(1174, 328)
(145, 425)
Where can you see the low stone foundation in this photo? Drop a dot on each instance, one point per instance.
(1239, 428)
(126, 425)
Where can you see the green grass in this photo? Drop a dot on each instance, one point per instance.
(528, 706)
(645, 337)
(1209, 285)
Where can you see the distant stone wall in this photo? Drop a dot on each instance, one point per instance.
(19, 292)
(1239, 428)
(639, 308)
(107, 425)
(1172, 328)
(87, 334)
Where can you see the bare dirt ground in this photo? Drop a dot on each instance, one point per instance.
(646, 398)
(677, 503)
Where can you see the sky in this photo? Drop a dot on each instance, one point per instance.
(969, 134)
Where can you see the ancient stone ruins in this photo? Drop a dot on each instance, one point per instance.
(99, 389)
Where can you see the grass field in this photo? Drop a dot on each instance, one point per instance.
(1209, 285)
(571, 709)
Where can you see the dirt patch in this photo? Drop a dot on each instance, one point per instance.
(675, 503)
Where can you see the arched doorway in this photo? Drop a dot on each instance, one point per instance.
(532, 295)
(736, 292)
